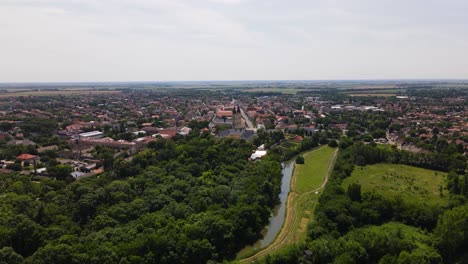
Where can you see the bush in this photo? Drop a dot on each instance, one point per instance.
(300, 160)
(14, 167)
(332, 143)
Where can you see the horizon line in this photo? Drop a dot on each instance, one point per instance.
(227, 80)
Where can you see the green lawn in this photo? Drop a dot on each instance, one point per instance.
(310, 174)
(391, 180)
(289, 144)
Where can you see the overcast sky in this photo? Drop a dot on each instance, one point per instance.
(163, 40)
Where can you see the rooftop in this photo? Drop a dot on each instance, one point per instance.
(91, 134)
(26, 157)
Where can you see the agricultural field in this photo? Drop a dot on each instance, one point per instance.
(56, 93)
(273, 90)
(373, 94)
(410, 183)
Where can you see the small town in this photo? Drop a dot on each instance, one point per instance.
(86, 134)
(233, 132)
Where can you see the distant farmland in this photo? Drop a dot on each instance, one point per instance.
(55, 93)
(374, 94)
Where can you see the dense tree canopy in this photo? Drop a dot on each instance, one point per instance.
(187, 201)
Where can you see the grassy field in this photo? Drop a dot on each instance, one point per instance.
(273, 90)
(310, 174)
(309, 179)
(373, 94)
(391, 180)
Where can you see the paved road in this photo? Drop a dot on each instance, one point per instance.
(246, 118)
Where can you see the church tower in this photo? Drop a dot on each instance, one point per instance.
(236, 118)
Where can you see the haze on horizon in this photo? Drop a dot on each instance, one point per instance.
(175, 40)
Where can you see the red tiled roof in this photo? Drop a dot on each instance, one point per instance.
(222, 113)
(168, 133)
(298, 138)
(26, 157)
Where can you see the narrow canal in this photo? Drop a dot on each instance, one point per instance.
(279, 212)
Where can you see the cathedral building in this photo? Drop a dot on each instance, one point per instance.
(237, 118)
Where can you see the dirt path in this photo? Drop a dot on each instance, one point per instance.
(291, 221)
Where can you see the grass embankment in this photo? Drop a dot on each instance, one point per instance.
(309, 176)
(410, 183)
(307, 182)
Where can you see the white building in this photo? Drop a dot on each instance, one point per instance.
(258, 154)
(92, 134)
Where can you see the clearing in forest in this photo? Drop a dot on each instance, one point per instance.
(395, 180)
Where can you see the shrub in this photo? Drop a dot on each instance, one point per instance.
(300, 160)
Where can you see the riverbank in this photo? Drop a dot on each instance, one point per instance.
(314, 174)
(278, 215)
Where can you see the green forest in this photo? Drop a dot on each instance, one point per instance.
(191, 200)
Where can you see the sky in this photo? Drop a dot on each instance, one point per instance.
(182, 40)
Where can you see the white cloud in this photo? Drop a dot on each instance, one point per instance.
(54, 11)
(86, 40)
(229, 2)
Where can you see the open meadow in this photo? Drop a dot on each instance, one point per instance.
(392, 180)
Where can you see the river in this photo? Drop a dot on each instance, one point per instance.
(279, 212)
